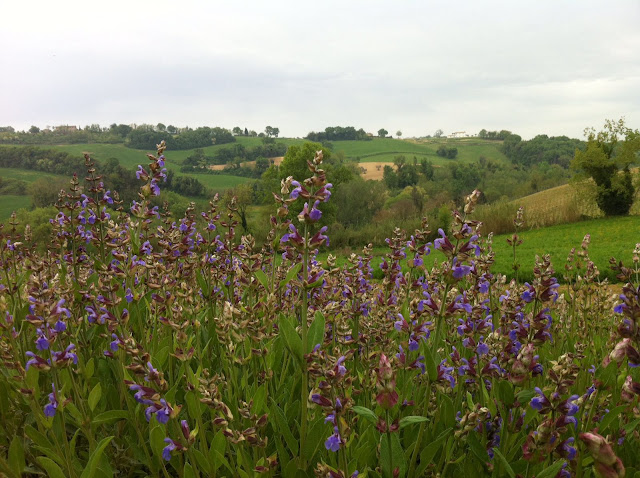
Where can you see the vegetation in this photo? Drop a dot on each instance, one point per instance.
(145, 343)
(607, 160)
(339, 133)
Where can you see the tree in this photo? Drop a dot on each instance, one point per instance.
(295, 160)
(246, 132)
(382, 133)
(172, 129)
(438, 133)
(161, 127)
(34, 130)
(606, 160)
(398, 133)
(272, 132)
(357, 203)
(237, 131)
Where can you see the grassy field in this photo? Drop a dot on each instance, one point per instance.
(25, 174)
(10, 203)
(130, 158)
(217, 182)
(385, 149)
(610, 237)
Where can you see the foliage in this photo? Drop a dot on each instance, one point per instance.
(540, 150)
(338, 133)
(445, 152)
(145, 343)
(270, 131)
(382, 133)
(358, 202)
(608, 155)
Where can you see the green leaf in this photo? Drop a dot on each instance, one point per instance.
(431, 450)
(470, 401)
(411, 419)
(216, 457)
(366, 413)
(316, 332)
(283, 428)
(290, 275)
(291, 338)
(430, 362)
(262, 277)
(156, 439)
(37, 437)
(609, 417)
(161, 356)
(89, 368)
(552, 470)
(16, 455)
(447, 414)
(397, 455)
(51, 467)
(193, 405)
(94, 396)
(109, 417)
(505, 463)
(314, 438)
(504, 391)
(92, 464)
(188, 471)
(476, 447)
(259, 400)
(202, 461)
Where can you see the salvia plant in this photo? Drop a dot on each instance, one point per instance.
(144, 344)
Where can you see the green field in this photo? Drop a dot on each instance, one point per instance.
(26, 174)
(131, 158)
(610, 237)
(385, 149)
(10, 203)
(217, 182)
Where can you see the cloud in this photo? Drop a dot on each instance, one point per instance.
(547, 67)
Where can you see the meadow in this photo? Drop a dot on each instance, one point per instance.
(143, 345)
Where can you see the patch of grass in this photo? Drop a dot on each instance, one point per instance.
(26, 175)
(610, 237)
(131, 158)
(11, 203)
(217, 182)
(385, 149)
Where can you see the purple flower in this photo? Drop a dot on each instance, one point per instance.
(115, 343)
(341, 368)
(541, 402)
(141, 173)
(146, 248)
(154, 187)
(334, 441)
(129, 295)
(459, 270)
(42, 343)
(166, 451)
(315, 213)
(52, 406)
(66, 356)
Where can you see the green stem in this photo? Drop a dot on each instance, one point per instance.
(390, 452)
(304, 389)
(423, 425)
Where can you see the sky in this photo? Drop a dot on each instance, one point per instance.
(543, 67)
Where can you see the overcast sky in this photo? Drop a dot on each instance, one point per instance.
(549, 67)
